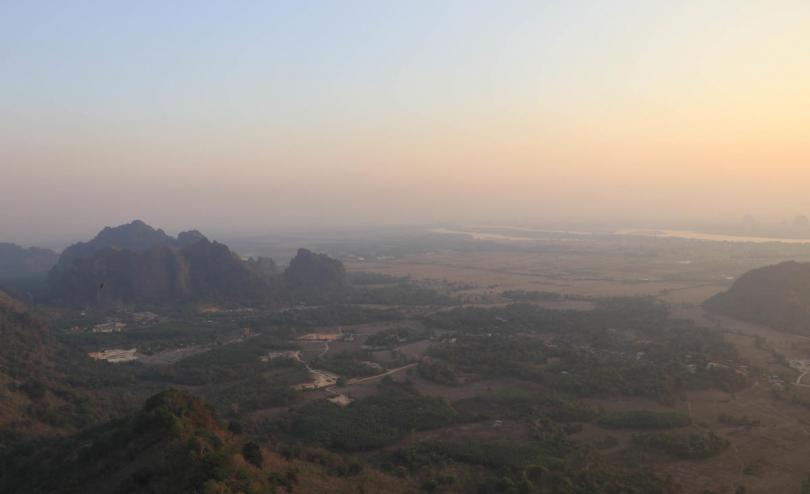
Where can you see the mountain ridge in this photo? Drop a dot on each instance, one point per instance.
(135, 264)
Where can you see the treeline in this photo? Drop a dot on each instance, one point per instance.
(550, 465)
(371, 422)
(437, 371)
(532, 296)
(518, 404)
(350, 365)
(394, 337)
(623, 347)
(687, 446)
(644, 419)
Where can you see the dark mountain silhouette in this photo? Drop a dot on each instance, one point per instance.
(264, 265)
(315, 278)
(136, 264)
(308, 270)
(164, 274)
(778, 296)
(133, 236)
(18, 262)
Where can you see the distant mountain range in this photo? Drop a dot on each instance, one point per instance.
(19, 262)
(137, 264)
(777, 296)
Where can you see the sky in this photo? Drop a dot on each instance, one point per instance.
(262, 115)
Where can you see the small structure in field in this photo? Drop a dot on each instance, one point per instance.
(341, 400)
(321, 337)
(285, 354)
(115, 355)
(109, 327)
(320, 379)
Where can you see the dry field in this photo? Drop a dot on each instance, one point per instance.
(489, 273)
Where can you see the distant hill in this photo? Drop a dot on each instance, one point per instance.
(777, 296)
(18, 262)
(136, 264)
(315, 278)
(133, 236)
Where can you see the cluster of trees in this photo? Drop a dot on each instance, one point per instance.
(623, 347)
(491, 355)
(515, 403)
(532, 296)
(644, 419)
(226, 363)
(738, 420)
(437, 371)
(371, 422)
(517, 467)
(684, 445)
(326, 315)
(350, 365)
(233, 378)
(391, 338)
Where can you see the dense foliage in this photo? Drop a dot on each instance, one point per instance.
(685, 445)
(644, 419)
(515, 403)
(371, 422)
(624, 347)
(174, 444)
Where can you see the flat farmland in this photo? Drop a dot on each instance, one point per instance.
(482, 274)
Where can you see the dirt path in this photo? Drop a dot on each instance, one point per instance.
(378, 376)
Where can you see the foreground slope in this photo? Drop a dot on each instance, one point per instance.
(47, 387)
(174, 444)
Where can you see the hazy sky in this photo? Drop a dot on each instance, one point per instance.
(255, 115)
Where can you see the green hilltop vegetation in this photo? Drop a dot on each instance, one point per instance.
(174, 444)
(46, 385)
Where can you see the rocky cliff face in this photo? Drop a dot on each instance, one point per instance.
(133, 236)
(308, 269)
(136, 264)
